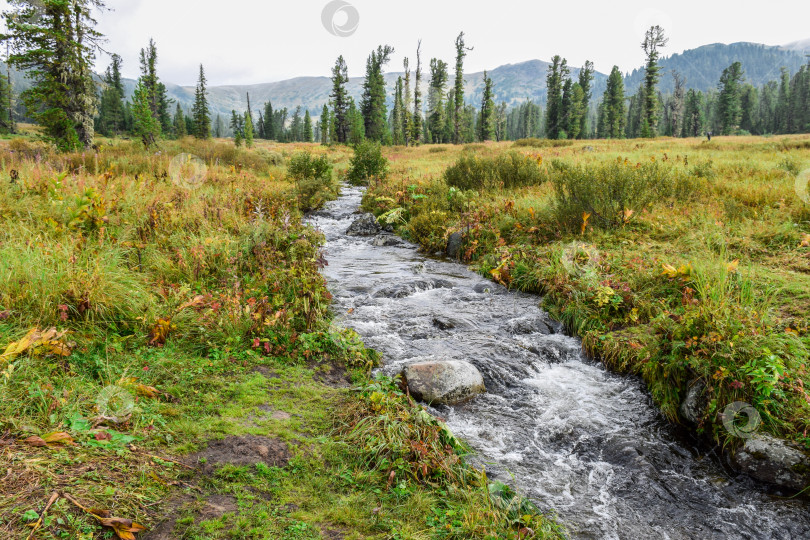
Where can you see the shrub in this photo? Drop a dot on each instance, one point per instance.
(313, 179)
(437, 150)
(612, 194)
(428, 229)
(508, 170)
(368, 162)
(534, 142)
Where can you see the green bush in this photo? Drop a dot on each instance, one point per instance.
(534, 142)
(508, 170)
(612, 194)
(368, 162)
(428, 229)
(314, 183)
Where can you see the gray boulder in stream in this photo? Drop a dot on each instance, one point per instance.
(773, 461)
(444, 382)
(365, 225)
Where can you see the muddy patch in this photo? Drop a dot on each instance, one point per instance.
(332, 375)
(244, 450)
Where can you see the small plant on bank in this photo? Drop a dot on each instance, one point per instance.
(313, 179)
(367, 163)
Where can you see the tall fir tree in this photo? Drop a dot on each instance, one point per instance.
(436, 119)
(407, 113)
(585, 84)
(486, 118)
(219, 127)
(145, 125)
(238, 128)
(417, 122)
(373, 102)
(200, 112)
(654, 41)
(555, 110)
(179, 122)
(397, 129)
(307, 127)
(730, 106)
(111, 108)
(614, 105)
(55, 41)
(340, 100)
(248, 130)
(324, 121)
(458, 89)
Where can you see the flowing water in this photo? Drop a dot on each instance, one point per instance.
(569, 434)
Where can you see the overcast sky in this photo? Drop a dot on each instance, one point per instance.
(249, 41)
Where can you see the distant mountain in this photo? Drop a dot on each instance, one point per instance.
(802, 46)
(703, 66)
(514, 83)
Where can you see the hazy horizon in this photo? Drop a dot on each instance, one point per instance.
(252, 42)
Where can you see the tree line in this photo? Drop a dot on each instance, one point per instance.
(55, 43)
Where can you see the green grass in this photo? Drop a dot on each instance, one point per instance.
(673, 259)
(202, 313)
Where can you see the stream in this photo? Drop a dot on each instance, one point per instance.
(569, 434)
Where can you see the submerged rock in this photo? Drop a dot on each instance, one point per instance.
(365, 225)
(531, 324)
(385, 240)
(454, 245)
(445, 382)
(694, 404)
(774, 461)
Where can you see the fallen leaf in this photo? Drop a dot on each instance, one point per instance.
(58, 438)
(35, 441)
(197, 301)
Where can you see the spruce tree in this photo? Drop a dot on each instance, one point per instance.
(200, 112)
(585, 82)
(179, 122)
(238, 127)
(407, 114)
(55, 41)
(159, 100)
(654, 40)
(486, 118)
(555, 111)
(219, 127)
(693, 115)
(269, 122)
(373, 101)
(397, 132)
(111, 108)
(145, 125)
(436, 119)
(458, 90)
(730, 106)
(614, 108)
(307, 127)
(340, 100)
(417, 123)
(248, 129)
(324, 121)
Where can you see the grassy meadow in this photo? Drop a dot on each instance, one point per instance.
(168, 368)
(681, 260)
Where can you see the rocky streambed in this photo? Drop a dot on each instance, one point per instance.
(569, 434)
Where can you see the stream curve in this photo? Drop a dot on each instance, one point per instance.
(569, 434)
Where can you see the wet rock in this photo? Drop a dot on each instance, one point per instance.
(774, 461)
(444, 382)
(443, 324)
(365, 225)
(488, 287)
(454, 245)
(694, 404)
(385, 240)
(402, 290)
(532, 324)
